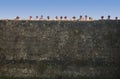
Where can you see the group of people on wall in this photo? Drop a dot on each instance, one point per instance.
(65, 18)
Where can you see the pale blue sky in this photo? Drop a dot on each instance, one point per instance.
(26, 8)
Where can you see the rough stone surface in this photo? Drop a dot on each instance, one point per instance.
(59, 49)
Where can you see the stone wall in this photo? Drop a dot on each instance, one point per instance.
(60, 49)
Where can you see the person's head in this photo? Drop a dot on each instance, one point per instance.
(116, 18)
(36, 16)
(17, 17)
(41, 16)
(102, 17)
(108, 17)
(89, 18)
(30, 17)
(74, 17)
(80, 16)
(56, 17)
(61, 17)
(65, 17)
(48, 17)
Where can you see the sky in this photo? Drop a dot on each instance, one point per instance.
(25, 8)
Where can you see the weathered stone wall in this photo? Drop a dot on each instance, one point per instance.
(60, 49)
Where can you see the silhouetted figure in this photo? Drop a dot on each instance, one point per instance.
(73, 18)
(109, 17)
(102, 17)
(30, 17)
(56, 18)
(37, 18)
(17, 18)
(90, 18)
(65, 18)
(116, 18)
(61, 18)
(48, 17)
(80, 18)
(41, 18)
(85, 17)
